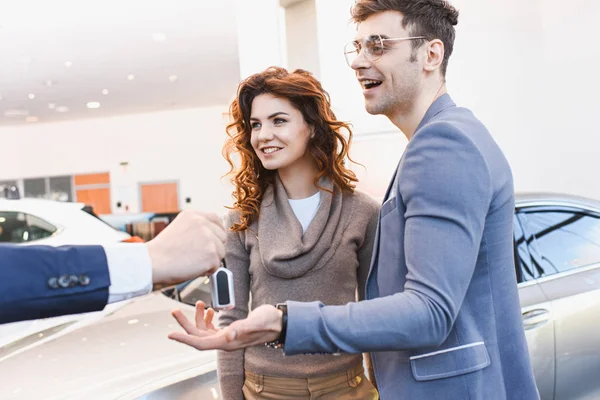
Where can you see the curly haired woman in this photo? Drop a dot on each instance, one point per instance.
(298, 230)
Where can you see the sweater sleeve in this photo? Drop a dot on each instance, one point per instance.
(231, 364)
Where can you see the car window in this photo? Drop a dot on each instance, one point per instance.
(523, 262)
(18, 227)
(38, 228)
(562, 240)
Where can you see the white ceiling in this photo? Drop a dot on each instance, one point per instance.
(181, 53)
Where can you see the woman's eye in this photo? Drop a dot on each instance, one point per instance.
(278, 121)
(255, 125)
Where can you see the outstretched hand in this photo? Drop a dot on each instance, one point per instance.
(262, 325)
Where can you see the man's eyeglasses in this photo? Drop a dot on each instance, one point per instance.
(373, 47)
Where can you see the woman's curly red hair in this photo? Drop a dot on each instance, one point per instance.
(329, 146)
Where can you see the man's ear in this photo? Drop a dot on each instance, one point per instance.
(435, 55)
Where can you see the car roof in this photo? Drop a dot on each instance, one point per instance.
(38, 205)
(525, 199)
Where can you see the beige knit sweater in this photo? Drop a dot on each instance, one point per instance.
(273, 261)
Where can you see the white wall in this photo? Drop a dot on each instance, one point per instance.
(528, 69)
(183, 145)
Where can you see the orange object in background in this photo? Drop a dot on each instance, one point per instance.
(160, 197)
(134, 239)
(94, 190)
(98, 199)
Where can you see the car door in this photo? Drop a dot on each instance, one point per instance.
(565, 246)
(536, 311)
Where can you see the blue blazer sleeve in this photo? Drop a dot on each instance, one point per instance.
(445, 184)
(30, 278)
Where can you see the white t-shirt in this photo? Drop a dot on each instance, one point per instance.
(305, 209)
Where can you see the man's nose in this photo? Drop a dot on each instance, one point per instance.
(360, 62)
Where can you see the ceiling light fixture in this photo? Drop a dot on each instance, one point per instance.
(68, 64)
(93, 104)
(159, 37)
(173, 78)
(31, 96)
(104, 91)
(130, 77)
(16, 113)
(51, 106)
(62, 109)
(49, 82)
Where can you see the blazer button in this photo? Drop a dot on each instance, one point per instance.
(53, 283)
(73, 280)
(84, 280)
(64, 281)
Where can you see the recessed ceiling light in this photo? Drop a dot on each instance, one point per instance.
(130, 77)
(68, 64)
(93, 104)
(62, 109)
(16, 113)
(159, 37)
(49, 82)
(51, 106)
(173, 78)
(32, 119)
(31, 96)
(104, 91)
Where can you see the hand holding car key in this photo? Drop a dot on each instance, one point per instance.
(221, 288)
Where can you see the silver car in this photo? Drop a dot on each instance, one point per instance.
(557, 253)
(123, 352)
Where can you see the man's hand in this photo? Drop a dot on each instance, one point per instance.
(262, 325)
(190, 246)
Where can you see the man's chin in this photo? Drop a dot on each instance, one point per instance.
(372, 109)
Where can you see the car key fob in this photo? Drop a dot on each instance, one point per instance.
(221, 289)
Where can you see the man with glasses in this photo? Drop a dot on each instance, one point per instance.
(442, 317)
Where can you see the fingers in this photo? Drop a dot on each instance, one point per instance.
(210, 313)
(200, 315)
(209, 342)
(184, 322)
(218, 230)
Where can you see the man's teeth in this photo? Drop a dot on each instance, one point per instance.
(270, 150)
(369, 83)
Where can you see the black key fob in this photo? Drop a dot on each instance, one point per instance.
(221, 289)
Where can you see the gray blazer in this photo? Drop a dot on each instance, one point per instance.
(443, 319)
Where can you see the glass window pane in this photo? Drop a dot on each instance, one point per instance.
(6, 185)
(61, 189)
(565, 240)
(13, 227)
(38, 228)
(35, 188)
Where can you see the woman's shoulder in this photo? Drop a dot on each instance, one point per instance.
(365, 202)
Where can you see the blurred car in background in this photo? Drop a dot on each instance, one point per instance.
(54, 223)
(557, 255)
(120, 353)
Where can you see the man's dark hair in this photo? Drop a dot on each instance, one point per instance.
(433, 19)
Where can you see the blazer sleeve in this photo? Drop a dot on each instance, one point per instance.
(43, 281)
(446, 188)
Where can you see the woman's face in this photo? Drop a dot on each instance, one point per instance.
(279, 133)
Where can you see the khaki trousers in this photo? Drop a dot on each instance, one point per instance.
(350, 384)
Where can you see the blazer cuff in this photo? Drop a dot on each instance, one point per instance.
(304, 334)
